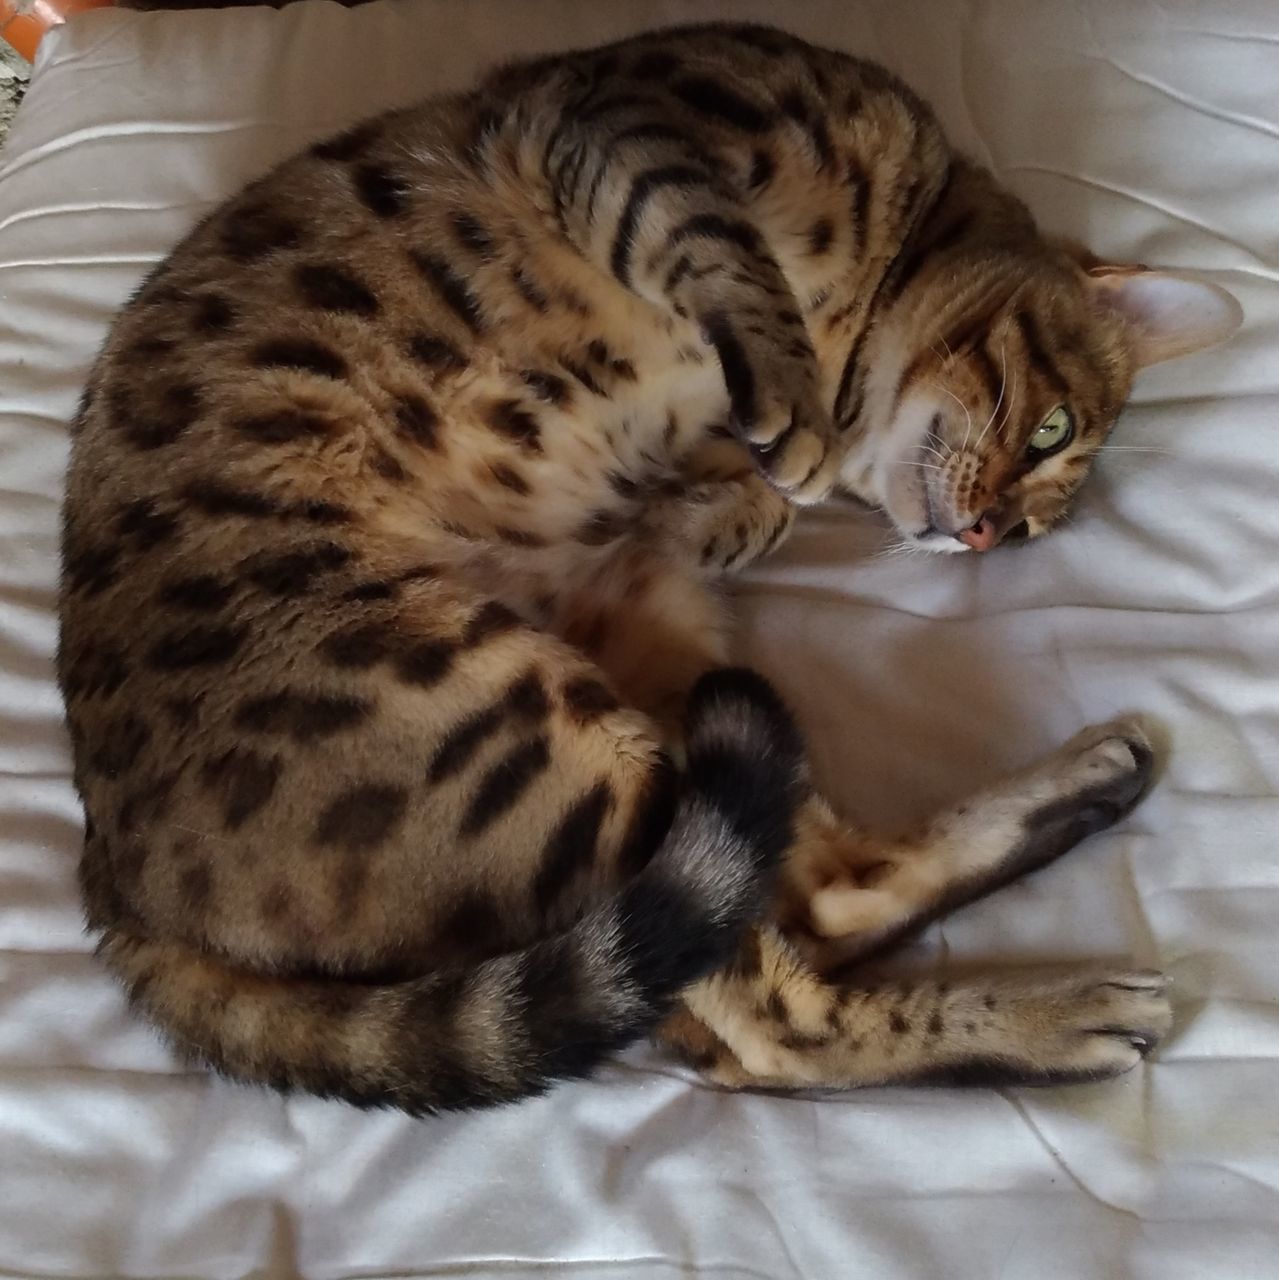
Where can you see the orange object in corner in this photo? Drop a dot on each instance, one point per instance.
(24, 22)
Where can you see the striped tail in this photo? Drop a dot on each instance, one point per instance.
(509, 1027)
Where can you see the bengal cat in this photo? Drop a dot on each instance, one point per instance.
(395, 499)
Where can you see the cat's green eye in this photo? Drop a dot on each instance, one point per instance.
(1055, 432)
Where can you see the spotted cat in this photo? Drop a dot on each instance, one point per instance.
(413, 769)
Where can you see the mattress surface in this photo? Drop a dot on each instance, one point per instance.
(1150, 129)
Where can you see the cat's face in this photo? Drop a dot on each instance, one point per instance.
(1002, 394)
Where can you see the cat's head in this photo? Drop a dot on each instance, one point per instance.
(997, 377)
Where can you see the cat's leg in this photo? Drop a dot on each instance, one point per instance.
(776, 1018)
(847, 893)
(771, 1021)
(639, 196)
(725, 518)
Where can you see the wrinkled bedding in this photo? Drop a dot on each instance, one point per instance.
(1149, 128)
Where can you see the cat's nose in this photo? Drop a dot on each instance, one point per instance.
(981, 536)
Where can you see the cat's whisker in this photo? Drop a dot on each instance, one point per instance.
(1012, 400)
(968, 417)
(1003, 385)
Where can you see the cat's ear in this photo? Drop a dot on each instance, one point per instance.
(1165, 315)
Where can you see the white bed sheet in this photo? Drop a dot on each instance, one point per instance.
(1150, 128)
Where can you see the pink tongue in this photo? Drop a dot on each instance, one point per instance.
(981, 537)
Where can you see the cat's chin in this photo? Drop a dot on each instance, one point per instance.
(941, 543)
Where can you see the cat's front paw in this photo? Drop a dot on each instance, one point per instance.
(794, 446)
(775, 407)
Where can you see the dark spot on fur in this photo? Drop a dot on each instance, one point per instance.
(518, 537)
(453, 290)
(461, 743)
(717, 102)
(434, 352)
(381, 191)
(333, 288)
(426, 663)
(388, 466)
(548, 387)
(295, 572)
(509, 478)
(123, 741)
(153, 416)
(583, 375)
(303, 354)
(317, 511)
(473, 234)
(570, 852)
(303, 717)
(362, 817)
(244, 781)
(202, 593)
(898, 1024)
(624, 369)
(491, 619)
(91, 569)
(255, 230)
(503, 785)
(936, 1023)
(762, 169)
(474, 927)
(775, 1007)
(369, 591)
(213, 313)
(530, 290)
(283, 427)
(802, 1041)
(622, 485)
(512, 421)
(144, 523)
(200, 646)
(415, 420)
(216, 499)
(820, 237)
(586, 699)
(359, 647)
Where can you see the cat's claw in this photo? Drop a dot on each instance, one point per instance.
(794, 448)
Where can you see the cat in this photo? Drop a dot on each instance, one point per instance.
(414, 768)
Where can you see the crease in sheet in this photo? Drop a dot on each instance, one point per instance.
(80, 137)
(1185, 99)
(1262, 268)
(1076, 1180)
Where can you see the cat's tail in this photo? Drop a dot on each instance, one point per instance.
(509, 1027)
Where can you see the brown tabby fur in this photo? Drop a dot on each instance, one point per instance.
(394, 499)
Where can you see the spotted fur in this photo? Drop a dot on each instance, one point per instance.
(392, 502)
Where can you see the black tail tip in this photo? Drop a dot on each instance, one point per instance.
(736, 707)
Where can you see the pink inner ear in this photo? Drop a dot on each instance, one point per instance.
(1168, 315)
